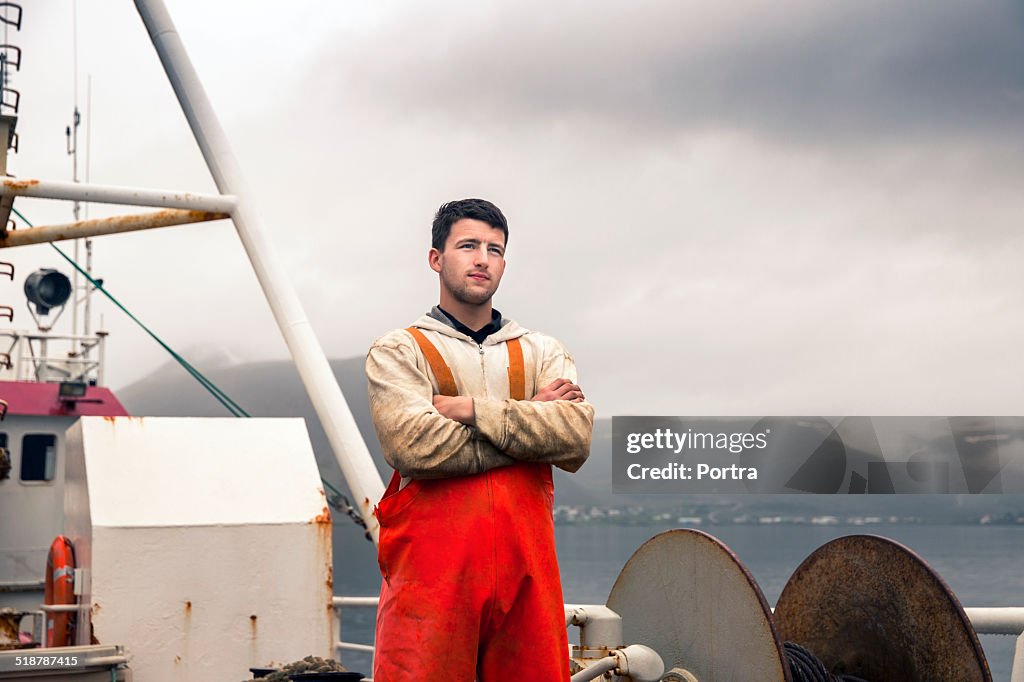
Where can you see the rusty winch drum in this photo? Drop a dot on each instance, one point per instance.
(870, 607)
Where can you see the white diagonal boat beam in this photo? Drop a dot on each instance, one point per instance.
(111, 194)
(335, 416)
(101, 226)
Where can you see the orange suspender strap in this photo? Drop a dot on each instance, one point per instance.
(516, 370)
(443, 373)
(446, 381)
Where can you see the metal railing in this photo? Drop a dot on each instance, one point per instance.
(34, 356)
(357, 602)
(994, 620)
(87, 659)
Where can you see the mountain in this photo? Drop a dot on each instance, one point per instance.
(273, 389)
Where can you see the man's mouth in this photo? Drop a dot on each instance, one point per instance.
(483, 277)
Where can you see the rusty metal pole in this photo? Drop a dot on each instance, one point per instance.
(335, 416)
(101, 226)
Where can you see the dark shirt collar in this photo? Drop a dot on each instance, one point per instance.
(480, 334)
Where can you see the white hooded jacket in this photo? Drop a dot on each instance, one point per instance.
(419, 442)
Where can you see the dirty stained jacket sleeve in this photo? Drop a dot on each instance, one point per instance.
(417, 441)
(557, 432)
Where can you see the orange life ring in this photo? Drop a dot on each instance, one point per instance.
(60, 589)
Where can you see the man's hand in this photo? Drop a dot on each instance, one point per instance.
(458, 408)
(560, 389)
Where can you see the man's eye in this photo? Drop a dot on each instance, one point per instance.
(496, 252)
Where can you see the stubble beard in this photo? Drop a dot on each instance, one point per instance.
(462, 292)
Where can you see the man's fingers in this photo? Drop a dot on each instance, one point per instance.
(566, 389)
(560, 389)
(556, 384)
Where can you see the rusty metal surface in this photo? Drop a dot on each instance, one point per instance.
(102, 226)
(868, 606)
(9, 620)
(687, 596)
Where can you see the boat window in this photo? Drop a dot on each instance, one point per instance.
(38, 456)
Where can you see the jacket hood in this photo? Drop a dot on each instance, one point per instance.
(509, 330)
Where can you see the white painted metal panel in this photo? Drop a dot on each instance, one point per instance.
(209, 602)
(205, 543)
(185, 472)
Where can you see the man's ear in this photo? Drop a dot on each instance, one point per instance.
(434, 259)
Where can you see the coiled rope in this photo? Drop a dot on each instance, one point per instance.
(805, 666)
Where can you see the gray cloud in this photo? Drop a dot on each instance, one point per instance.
(735, 208)
(796, 70)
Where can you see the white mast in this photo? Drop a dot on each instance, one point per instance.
(335, 416)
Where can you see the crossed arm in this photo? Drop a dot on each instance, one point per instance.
(460, 408)
(427, 436)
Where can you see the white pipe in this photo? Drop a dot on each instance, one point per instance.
(104, 661)
(63, 608)
(339, 602)
(349, 449)
(1000, 620)
(640, 663)
(111, 194)
(605, 665)
(22, 585)
(349, 646)
(600, 627)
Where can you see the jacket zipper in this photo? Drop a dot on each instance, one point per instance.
(483, 369)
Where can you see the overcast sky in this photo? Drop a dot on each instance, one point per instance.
(719, 208)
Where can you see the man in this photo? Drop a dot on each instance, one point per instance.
(471, 585)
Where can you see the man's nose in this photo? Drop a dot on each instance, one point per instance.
(480, 255)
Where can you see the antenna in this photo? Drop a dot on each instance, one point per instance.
(87, 330)
(71, 132)
(83, 346)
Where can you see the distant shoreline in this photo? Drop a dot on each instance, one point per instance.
(641, 516)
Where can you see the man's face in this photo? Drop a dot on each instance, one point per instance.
(472, 261)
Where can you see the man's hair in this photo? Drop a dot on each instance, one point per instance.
(454, 211)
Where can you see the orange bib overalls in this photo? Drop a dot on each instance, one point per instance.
(471, 587)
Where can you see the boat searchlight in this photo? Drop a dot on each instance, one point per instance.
(47, 288)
